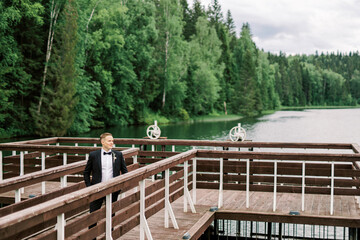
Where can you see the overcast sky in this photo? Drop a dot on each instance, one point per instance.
(298, 26)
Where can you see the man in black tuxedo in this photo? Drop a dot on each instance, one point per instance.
(104, 164)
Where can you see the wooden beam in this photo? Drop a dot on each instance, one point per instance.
(279, 156)
(50, 140)
(51, 148)
(297, 219)
(356, 147)
(181, 142)
(263, 164)
(206, 177)
(39, 176)
(284, 189)
(201, 225)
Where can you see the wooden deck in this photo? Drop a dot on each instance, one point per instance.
(316, 206)
(326, 173)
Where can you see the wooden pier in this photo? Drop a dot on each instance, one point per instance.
(201, 183)
(346, 212)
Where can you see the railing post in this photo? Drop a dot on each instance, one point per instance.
(134, 162)
(60, 226)
(63, 179)
(166, 198)
(247, 182)
(303, 188)
(144, 227)
(48, 145)
(21, 163)
(76, 144)
(185, 184)
(17, 195)
(108, 217)
(187, 197)
(57, 144)
(153, 149)
(221, 181)
(194, 178)
(332, 188)
(43, 187)
(1, 166)
(275, 185)
(22, 167)
(168, 208)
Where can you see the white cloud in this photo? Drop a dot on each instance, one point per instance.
(294, 26)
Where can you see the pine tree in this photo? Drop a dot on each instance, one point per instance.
(215, 15)
(191, 18)
(229, 23)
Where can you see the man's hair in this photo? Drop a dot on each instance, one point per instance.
(104, 135)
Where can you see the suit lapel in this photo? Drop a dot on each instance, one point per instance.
(113, 155)
(99, 160)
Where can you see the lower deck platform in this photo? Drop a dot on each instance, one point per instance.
(317, 212)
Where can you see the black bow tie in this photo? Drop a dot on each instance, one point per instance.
(107, 153)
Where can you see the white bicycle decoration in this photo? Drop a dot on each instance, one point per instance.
(153, 131)
(237, 133)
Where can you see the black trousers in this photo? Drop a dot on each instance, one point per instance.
(95, 205)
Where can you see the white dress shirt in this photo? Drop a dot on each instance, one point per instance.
(106, 166)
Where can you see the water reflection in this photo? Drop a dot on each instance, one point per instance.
(327, 125)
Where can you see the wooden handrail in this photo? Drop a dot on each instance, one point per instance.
(50, 140)
(38, 214)
(356, 148)
(50, 174)
(51, 148)
(183, 142)
(280, 156)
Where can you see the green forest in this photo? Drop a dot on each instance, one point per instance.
(67, 66)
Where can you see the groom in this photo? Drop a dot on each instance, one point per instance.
(103, 165)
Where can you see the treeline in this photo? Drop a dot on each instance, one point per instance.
(69, 65)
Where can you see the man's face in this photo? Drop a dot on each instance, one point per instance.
(107, 143)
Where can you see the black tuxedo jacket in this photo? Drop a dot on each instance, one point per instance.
(93, 166)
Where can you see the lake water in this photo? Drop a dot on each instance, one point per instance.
(325, 125)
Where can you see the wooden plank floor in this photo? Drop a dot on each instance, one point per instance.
(345, 206)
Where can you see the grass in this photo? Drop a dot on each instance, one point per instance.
(318, 107)
(217, 117)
